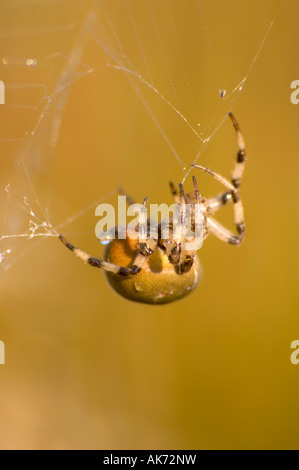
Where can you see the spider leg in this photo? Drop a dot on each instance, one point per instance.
(233, 195)
(196, 191)
(214, 204)
(146, 248)
(223, 233)
(182, 259)
(217, 177)
(238, 206)
(174, 192)
(99, 263)
(173, 189)
(182, 203)
(146, 244)
(241, 155)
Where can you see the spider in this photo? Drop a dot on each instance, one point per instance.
(162, 270)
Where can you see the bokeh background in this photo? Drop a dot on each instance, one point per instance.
(86, 368)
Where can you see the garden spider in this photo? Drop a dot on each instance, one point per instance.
(161, 271)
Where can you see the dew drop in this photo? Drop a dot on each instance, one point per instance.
(105, 242)
(105, 237)
(31, 62)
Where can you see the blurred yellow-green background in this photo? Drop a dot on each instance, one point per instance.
(91, 89)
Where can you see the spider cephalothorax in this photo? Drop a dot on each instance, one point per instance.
(160, 270)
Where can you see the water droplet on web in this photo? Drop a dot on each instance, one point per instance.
(106, 237)
(105, 242)
(31, 62)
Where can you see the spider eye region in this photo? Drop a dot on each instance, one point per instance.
(157, 282)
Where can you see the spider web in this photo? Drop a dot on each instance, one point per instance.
(177, 74)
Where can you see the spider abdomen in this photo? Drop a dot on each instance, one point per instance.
(158, 282)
